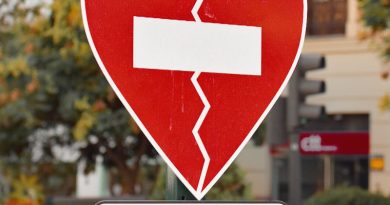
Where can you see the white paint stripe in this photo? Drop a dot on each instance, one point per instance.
(165, 44)
(195, 10)
(203, 115)
(195, 131)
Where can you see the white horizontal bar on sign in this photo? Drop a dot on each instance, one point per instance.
(194, 46)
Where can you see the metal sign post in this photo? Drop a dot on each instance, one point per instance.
(176, 190)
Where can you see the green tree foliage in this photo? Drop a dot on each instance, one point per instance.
(375, 14)
(52, 93)
(231, 186)
(376, 18)
(49, 78)
(348, 196)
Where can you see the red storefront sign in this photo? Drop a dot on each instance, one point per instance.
(334, 143)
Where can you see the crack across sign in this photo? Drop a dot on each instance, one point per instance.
(203, 115)
(159, 45)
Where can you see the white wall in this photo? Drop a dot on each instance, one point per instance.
(256, 162)
(94, 184)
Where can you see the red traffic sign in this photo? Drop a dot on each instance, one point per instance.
(334, 143)
(198, 76)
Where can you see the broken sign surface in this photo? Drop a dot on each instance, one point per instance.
(198, 76)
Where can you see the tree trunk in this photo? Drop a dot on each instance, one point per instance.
(125, 174)
(128, 180)
(128, 175)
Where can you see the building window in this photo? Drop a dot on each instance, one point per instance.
(327, 17)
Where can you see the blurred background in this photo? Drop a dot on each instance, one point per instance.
(66, 138)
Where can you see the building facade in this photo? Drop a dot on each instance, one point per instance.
(354, 88)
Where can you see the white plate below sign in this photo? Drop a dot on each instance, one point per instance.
(188, 203)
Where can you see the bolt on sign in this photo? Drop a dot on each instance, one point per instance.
(198, 76)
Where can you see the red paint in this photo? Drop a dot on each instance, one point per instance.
(337, 143)
(166, 102)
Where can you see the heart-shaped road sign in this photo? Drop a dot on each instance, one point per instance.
(198, 76)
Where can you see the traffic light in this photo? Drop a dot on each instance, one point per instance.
(300, 88)
(297, 109)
